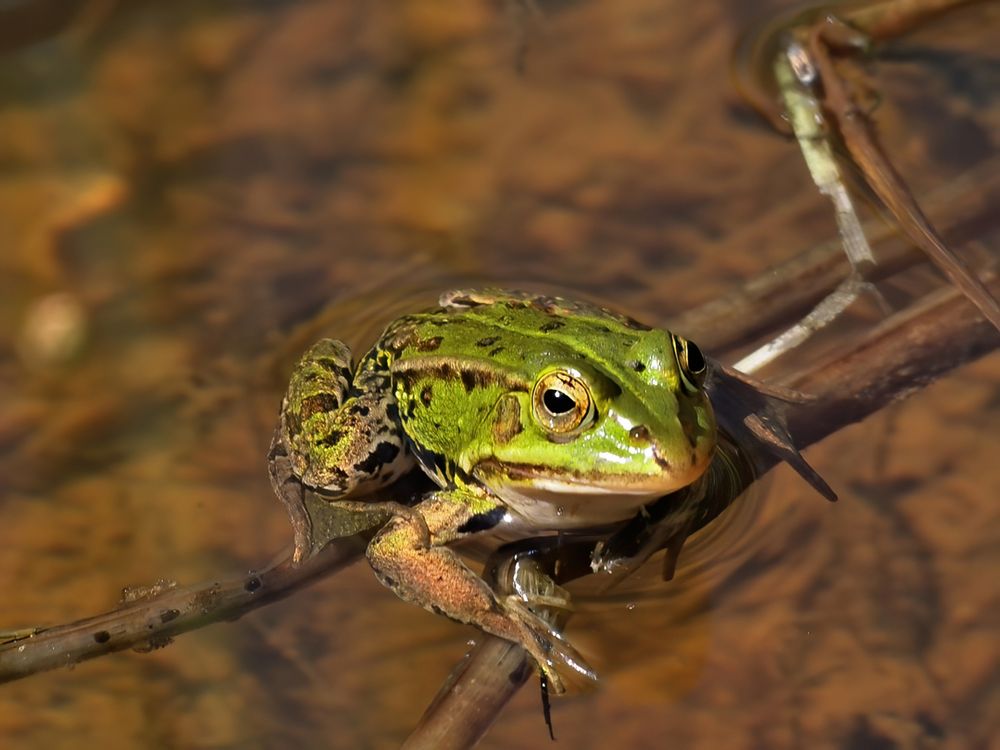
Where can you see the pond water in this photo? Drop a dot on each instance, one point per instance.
(190, 193)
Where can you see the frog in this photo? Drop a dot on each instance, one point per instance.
(530, 413)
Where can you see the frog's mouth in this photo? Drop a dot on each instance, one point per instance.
(554, 499)
(573, 482)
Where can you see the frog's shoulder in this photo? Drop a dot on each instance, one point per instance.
(468, 299)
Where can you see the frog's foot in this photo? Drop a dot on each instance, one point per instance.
(522, 575)
(533, 592)
(553, 654)
(612, 569)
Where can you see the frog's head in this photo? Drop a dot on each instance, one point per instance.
(600, 432)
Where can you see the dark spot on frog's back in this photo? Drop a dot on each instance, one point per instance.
(318, 403)
(331, 439)
(552, 325)
(392, 412)
(638, 366)
(332, 364)
(384, 453)
(426, 395)
(428, 345)
(487, 341)
(411, 409)
(470, 380)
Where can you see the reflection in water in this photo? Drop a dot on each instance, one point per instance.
(204, 191)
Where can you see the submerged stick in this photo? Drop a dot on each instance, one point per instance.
(150, 618)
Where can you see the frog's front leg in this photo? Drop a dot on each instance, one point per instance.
(434, 577)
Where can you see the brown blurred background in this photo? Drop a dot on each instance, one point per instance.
(190, 192)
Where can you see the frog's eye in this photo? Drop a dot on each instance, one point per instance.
(692, 363)
(562, 403)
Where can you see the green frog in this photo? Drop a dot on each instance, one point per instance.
(531, 414)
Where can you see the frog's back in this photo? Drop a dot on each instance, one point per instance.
(509, 332)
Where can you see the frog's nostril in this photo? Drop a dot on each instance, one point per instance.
(639, 434)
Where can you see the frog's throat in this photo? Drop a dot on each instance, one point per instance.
(549, 503)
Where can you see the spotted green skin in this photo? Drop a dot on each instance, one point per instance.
(453, 386)
(452, 390)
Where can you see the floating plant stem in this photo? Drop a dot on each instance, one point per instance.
(796, 77)
(854, 127)
(825, 312)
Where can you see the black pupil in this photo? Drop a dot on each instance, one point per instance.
(557, 402)
(695, 359)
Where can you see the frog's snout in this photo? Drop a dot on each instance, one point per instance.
(667, 458)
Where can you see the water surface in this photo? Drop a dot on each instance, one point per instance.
(189, 194)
